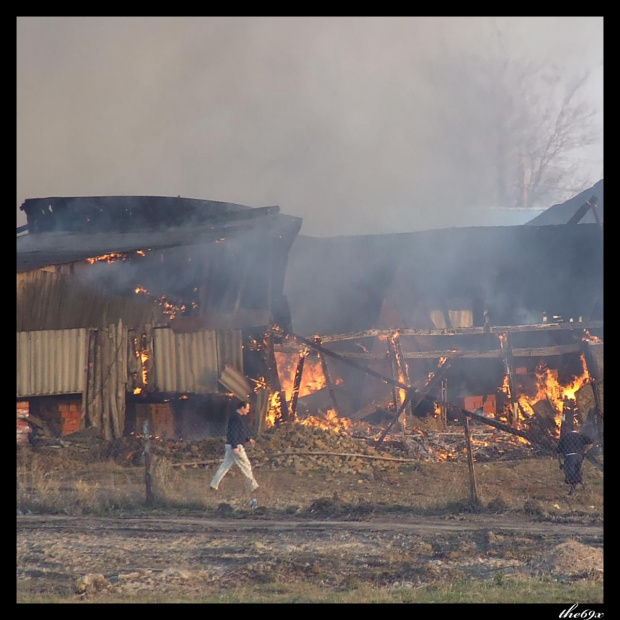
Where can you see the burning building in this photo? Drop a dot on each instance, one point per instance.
(146, 308)
(157, 308)
(505, 320)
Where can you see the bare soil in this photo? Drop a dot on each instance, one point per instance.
(186, 556)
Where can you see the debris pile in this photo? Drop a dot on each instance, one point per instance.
(306, 447)
(312, 448)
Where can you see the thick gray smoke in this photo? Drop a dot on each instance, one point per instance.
(359, 125)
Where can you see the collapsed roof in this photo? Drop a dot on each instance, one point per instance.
(516, 273)
(63, 230)
(212, 259)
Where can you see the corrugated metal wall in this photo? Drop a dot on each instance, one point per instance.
(52, 301)
(192, 362)
(51, 362)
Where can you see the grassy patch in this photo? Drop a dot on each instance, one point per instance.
(498, 591)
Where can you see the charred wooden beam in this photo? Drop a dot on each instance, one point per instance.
(416, 397)
(408, 331)
(400, 362)
(523, 352)
(408, 397)
(327, 376)
(297, 383)
(506, 347)
(561, 349)
(533, 439)
(369, 371)
(394, 367)
(274, 378)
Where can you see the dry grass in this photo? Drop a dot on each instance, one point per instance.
(67, 481)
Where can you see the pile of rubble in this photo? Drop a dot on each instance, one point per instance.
(303, 447)
(306, 448)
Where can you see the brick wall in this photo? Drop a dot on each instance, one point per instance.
(488, 403)
(160, 417)
(63, 415)
(23, 427)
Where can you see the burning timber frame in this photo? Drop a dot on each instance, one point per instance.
(413, 397)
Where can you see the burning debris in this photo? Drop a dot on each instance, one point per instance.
(543, 407)
(171, 307)
(323, 444)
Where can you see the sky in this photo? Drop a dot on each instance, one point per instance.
(358, 125)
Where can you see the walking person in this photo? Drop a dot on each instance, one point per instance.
(237, 435)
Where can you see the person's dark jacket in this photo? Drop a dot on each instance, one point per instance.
(573, 443)
(237, 431)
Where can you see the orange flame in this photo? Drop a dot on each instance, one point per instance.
(170, 308)
(548, 387)
(312, 378)
(142, 355)
(274, 412)
(330, 421)
(106, 258)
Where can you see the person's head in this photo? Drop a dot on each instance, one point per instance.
(243, 407)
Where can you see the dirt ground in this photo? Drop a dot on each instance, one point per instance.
(184, 556)
(395, 524)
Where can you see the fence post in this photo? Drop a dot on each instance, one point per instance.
(147, 464)
(473, 494)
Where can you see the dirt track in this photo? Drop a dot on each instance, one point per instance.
(416, 525)
(96, 557)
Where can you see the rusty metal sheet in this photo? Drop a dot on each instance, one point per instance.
(51, 362)
(236, 382)
(192, 362)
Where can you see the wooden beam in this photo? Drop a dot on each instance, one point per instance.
(506, 347)
(561, 349)
(416, 397)
(369, 371)
(408, 331)
(410, 393)
(274, 378)
(394, 367)
(400, 361)
(297, 383)
(328, 380)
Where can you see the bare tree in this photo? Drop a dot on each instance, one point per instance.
(516, 124)
(540, 137)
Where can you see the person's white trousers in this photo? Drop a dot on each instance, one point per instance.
(241, 461)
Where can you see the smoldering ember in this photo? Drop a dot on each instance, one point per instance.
(144, 315)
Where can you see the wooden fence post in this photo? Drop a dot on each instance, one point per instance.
(147, 464)
(473, 493)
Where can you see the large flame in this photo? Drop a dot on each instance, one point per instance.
(549, 388)
(312, 379)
